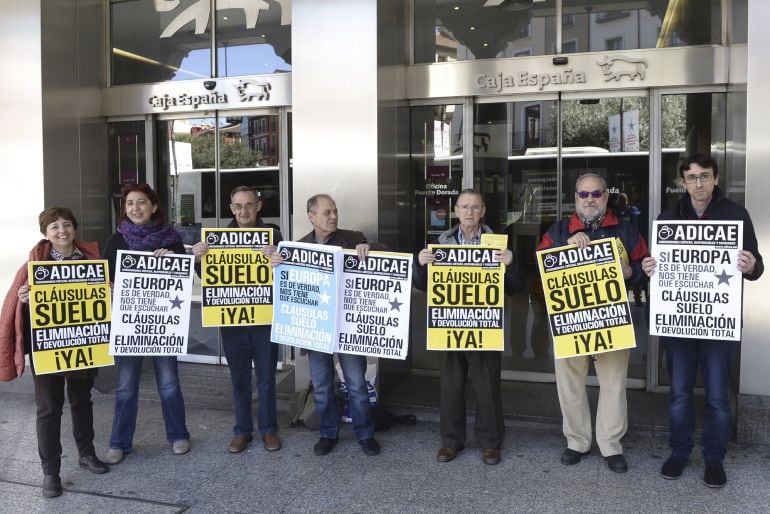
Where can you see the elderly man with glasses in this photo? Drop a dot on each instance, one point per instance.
(590, 221)
(246, 344)
(703, 200)
(482, 368)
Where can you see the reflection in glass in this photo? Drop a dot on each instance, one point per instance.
(437, 167)
(459, 30)
(150, 42)
(515, 148)
(436, 179)
(690, 123)
(248, 155)
(160, 40)
(246, 49)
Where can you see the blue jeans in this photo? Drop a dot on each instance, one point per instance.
(354, 370)
(683, 357)
(127, 400)
(244, 345)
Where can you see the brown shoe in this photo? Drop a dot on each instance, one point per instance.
(490, 456)
(239, 443)
(445, 454)
(271, 442)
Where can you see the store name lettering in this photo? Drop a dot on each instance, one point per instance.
(185, 100)
(500, 81)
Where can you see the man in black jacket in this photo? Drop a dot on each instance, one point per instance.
(322, 213)
(703, 200)
(244, 344)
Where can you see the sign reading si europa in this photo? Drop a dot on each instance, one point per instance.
(465, 298)
(586, 299)
(374, 319)
(237, 281)
(305, 306)
(697, 290)
(69, 304)
(151, 311)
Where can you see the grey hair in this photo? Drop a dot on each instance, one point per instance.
(312, 202)
(245, 189)
(471, 191)
(591, 175)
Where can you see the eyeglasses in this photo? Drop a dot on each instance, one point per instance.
(596, 193)
(704, 178)
(238, 207)
(472, 208)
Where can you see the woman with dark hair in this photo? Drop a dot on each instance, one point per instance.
(58, 225)
(142, 227)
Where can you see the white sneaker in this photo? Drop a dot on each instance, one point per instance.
(181, 446)
(113, 456)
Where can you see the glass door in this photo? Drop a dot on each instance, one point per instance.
(200, 161)
(527, 157)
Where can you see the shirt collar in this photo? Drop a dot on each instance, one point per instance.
(475, 240)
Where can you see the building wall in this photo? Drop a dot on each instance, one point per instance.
(74, 133)
(21, 132)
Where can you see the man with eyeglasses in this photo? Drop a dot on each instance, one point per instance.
(481, 367)
(703, 200)
(590, 221)
(246, 344)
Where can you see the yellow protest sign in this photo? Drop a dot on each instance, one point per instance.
(69, 304)
(586, 299)
(237, 281)
(465, 298)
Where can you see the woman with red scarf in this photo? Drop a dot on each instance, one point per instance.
(58, 225)
(142, 227)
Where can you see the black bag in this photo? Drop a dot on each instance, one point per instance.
(384, 419)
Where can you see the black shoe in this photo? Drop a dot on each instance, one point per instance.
(52, 486)
(715, 475)
(673, 467)
(94, 465)
(617, 463)
(570, 457)
(370, 446)
(324, 445)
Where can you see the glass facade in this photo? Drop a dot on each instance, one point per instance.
(462, 30)
(161, 40)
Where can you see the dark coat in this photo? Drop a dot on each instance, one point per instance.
(721, 208)
(347, 239)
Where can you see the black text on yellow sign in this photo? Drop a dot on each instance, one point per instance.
(70, 315)
(465, 299)
(586, 299)
(237, 280)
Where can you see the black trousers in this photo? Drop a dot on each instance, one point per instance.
(483, 370)
(49, 396)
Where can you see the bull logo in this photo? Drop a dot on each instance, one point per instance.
(616, 67)
(200, 13)
(249, 89)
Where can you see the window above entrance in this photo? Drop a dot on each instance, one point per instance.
(162, 40)
(462, 30)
